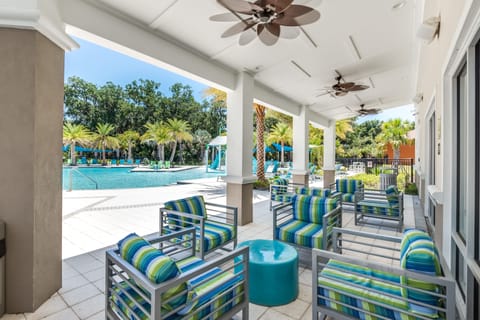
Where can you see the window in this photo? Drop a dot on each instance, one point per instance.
(460, 274)
(461, 135)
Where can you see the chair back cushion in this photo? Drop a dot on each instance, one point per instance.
(311, 208)
(348, 185)
(392, 195)
(419, 254)
(194, 205)
(318, 192)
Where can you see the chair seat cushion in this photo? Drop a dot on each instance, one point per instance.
(357, 283)
(377, 207)
(346, 197)
(216, 234)
(301, 233)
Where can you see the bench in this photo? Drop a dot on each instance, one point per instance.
(347, 286)
(307, 222)
(160, 279)
(215, 224)
(347, 188)
(379, 205)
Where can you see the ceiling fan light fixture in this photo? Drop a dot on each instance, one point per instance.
(399, 5)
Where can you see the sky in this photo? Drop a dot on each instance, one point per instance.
(99, 65)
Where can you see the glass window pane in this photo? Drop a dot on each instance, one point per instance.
(461, 153)
(460, 274)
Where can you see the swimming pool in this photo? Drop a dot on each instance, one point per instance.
(85, 178)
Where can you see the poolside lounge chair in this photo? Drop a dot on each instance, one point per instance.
(215, 224)
(122, 162)
(167, 165)
(137, 162)
(144, 282)
(130, 162)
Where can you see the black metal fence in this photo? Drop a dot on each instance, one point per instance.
(379, 165)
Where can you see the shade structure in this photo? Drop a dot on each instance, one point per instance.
(279, 147)
(83, 149)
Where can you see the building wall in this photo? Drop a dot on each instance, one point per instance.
(439, 62)
(407, 151)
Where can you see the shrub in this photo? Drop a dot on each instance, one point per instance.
(261, 185)
(411, 188)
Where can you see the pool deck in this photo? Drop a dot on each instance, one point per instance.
(94, 220)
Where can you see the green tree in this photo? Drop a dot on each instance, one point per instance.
(158, 134)
(202, 137)
(282, 134)
(75, 134)
(179, 131)
(104, 139)
(395, 131)
(81, 100)
(129, 138)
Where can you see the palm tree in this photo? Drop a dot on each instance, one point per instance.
(179, 131)
(260, 124)
(103, 139)
(202, 137)
(129, 138)
(342, 127)
(281, 133)
(395, 132)
(157, 133)
(74, 134)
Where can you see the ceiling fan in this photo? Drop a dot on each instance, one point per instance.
(264, 18)
(342, 88)
(364, 112)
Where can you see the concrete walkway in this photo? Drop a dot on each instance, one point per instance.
(96, 219)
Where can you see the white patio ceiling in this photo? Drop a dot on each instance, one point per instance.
(367, 41)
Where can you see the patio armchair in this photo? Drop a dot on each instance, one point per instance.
(375, 206)
(215, 224)
(158, 279)
(348, 286)
(347, 188)
(307, 223)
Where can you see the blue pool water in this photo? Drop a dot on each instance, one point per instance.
(122, 178)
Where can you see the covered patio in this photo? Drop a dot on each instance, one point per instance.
(394, 51)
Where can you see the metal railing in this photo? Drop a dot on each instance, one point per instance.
(379, 165)
(75, 170)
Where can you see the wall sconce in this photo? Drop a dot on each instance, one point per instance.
(429, 29)
(418, 98)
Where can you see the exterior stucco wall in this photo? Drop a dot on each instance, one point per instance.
(31, 91)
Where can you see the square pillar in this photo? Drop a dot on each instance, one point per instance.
(300, 147)
(31, 87)
(329, 137)
(239, 152)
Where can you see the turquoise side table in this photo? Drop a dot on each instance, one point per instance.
(273, 275)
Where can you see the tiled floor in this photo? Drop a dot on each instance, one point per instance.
(94, 220)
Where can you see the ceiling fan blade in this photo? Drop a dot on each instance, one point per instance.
(239, 6)
(358, 87)
(341, 93)
(224, 17)
(238, 27)
(301, 14)
(289, 32)
(280, 5)
(274, 29)
(246, 37)
(346, 85)
(267, 37)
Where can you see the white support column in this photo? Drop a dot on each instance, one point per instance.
(300, 147)
(239, 137)
(329, 137)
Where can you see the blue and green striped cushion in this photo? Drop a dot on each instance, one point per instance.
(377, 207)
(282, 197)
(194, 205)
(392, 195)
(301, 233)
(154, 264)
(313, 191)
(129, 245)
(348, 185)
(409, 237)
(216, 234)
(311, 209)
(280, 181)
(329, 282)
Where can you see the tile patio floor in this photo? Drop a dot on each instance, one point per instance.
(96, 219)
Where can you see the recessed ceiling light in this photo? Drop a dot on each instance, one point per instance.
(399, 5)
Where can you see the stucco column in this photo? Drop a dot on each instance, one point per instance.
(239, 139)
(31, 91)
(300, 147)
(329, 136)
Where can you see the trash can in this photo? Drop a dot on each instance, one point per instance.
(2, 268)
(388, 177)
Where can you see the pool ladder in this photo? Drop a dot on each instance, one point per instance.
(82, 174)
